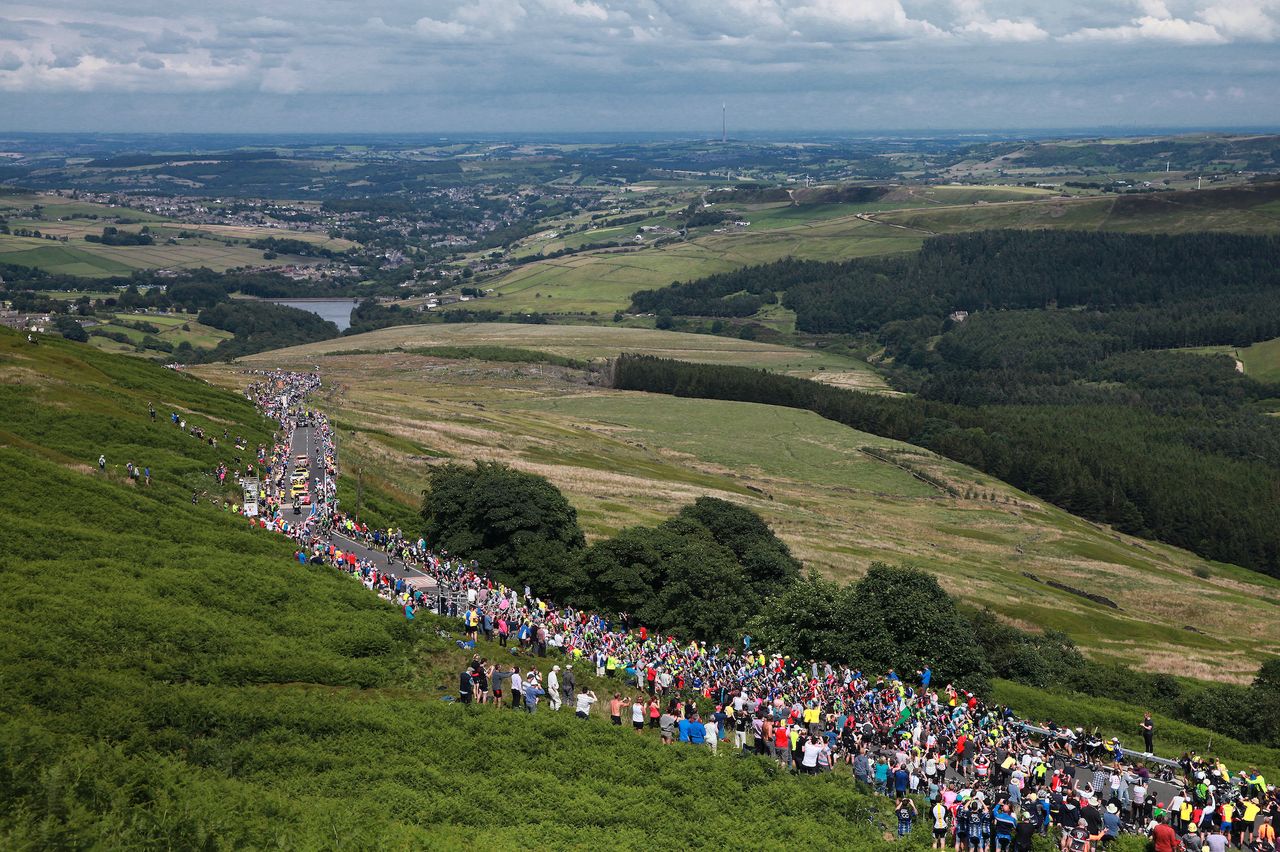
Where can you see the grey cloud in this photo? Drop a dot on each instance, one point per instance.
(886, 61)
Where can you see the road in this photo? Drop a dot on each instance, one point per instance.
(304, 442)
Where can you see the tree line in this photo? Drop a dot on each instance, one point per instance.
(716, 571)
(1149, 474)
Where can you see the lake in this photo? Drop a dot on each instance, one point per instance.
(337, 311)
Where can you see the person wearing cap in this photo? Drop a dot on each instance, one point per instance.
(568, 684)
(553, 688)
(1078, 838)
(1250, 811)
(1192, 841)
(1091, 813)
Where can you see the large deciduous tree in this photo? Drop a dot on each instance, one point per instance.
(517, 525)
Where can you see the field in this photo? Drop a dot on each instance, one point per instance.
(174, 328)
(594, 343)
(1249, 210)
(840, 498)
(603, 281)
(62, 218)
(1260, 360)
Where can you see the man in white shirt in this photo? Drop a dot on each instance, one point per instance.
(585, 700)
(553, 687)
(809, 762)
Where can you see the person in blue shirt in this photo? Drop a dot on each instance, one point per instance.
(901, 779)
(531, 694)
(1004, 827)
(697, 731)
(906, 812)
(684, 725)
(926, 676)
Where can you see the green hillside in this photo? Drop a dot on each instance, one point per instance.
(839, 497)
(604, 281)
(173, 680)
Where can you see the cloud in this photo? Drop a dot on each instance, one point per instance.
(1151, 28)
(1242, 19)
(917, 62)
(1003, 29)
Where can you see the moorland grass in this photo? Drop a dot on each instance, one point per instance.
(174, 679)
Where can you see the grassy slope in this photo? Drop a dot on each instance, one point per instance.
(586, 343)
(626, 458)
(604, 282)
(1235, 209)
(173, 680)
(1261, 360)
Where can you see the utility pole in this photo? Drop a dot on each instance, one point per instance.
(724, 123)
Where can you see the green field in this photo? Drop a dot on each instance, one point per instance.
(592, 343)
(1236, 209)
(93, 260)
(174, 328)
(63, 218)
(1261, 361)
(840, 498)
(603, 281)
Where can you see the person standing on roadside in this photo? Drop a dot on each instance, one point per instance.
(1148, 733)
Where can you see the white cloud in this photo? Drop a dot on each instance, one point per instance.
(1003, 29)
(1242, 19)
(1150, 28)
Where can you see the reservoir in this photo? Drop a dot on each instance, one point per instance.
(337, 311)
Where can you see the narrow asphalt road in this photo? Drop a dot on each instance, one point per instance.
(304, 443)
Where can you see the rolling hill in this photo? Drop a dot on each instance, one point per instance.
(173, 678)
(840, 498)
(603, 281)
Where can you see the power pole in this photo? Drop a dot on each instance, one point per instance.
(724, 123)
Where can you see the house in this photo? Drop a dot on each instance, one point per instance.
(958, 316)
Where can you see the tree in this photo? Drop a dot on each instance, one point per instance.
(1268, 677)
(664, 320)
(515, 524)
(70, 329)
(805, 621)
(767, 563)
(903, 619)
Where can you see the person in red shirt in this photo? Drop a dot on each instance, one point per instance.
(1164, 837)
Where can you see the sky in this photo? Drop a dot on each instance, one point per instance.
(636, 65)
